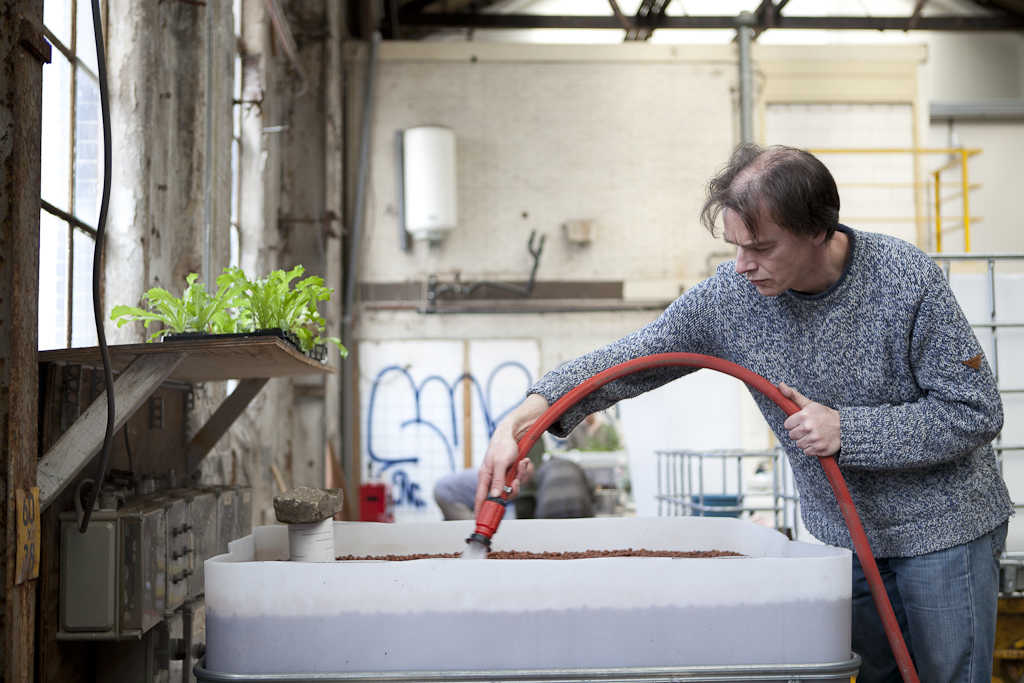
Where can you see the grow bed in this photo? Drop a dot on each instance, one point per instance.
(785, 603)
(526, 555)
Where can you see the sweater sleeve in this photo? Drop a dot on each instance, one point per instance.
(683, 326)
(959, 409)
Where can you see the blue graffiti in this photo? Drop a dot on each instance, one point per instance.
(406, 491)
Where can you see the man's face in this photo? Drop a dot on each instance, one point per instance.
(777, 260)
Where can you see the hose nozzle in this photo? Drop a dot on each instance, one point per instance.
(487, 520)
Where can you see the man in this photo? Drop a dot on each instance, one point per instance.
(862, 331)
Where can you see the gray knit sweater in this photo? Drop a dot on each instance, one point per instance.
(886, 346)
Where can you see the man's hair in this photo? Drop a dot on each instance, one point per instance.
(787, 185)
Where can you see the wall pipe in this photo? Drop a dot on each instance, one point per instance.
(355, 234)
(744, 35)
(493, 509)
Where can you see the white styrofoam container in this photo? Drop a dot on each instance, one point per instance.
(784, 603)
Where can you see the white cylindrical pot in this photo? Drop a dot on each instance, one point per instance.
(428, 159)
(311, 542)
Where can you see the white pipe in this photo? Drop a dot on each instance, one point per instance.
(311, 542)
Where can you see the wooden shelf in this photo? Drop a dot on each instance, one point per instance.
(142, 368)
(205, 360)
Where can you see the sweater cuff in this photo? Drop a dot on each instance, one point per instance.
(855, 438)
(551, 388)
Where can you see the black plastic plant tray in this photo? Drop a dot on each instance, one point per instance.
(318, 352)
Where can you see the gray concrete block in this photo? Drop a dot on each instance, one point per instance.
(305, 505)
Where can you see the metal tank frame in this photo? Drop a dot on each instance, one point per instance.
(746, 672)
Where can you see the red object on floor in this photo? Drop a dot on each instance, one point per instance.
(376, 503)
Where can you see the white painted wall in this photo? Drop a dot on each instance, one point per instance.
(526, 126)
(966, 66)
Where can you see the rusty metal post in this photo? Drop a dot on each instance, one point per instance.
(23, 50)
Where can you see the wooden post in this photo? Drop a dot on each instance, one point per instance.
(23, 51)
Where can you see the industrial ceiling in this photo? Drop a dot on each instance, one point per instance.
(417, 19)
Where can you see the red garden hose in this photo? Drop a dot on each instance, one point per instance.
(492, 510)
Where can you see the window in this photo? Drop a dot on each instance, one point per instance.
(71, 177)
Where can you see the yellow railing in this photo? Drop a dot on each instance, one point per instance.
(959, 157)
(965, 191)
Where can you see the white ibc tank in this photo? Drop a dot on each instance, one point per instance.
(429, 181)
(784, 603)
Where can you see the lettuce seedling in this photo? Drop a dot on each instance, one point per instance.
(196, 311)
(272, 303)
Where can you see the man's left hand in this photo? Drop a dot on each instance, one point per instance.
(815, 428)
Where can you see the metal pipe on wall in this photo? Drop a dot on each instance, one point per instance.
(355, 232)
(745, 35)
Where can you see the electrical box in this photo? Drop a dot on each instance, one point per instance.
(143, 564)
(136, 565)
(88, 574)
(180, 549)
(202, 515)
(113, 581)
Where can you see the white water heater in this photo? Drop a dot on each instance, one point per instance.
(428, 161)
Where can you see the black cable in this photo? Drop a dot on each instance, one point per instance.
(97, 265)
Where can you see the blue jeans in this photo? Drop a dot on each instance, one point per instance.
(945, 603)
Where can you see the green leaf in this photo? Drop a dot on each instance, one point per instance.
(336, 342)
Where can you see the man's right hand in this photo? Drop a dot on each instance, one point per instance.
(503, 450)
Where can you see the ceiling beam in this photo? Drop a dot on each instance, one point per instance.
(1005, 5)
(649, 16)
(520, 21)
